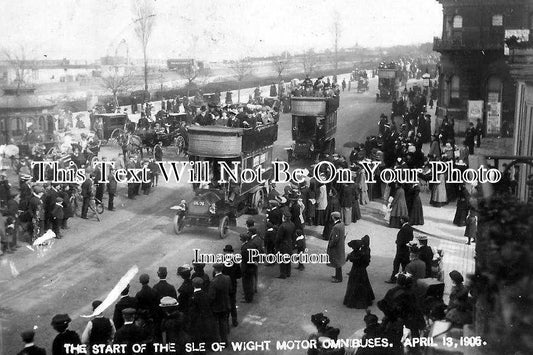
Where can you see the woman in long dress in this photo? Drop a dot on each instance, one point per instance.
(398, 208)
(416, 214)
(438, 194)
(462, 207)
(359, 293)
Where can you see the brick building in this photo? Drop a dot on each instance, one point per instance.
(473, 61)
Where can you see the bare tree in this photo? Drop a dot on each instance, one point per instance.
(191, 72)
(309, 62)
(280, 64)
(17, 60)
(143, 21)
(117, 82)
(241, 69)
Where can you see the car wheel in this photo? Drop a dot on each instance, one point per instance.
(178, 223)
(258, 200)
(223, 227)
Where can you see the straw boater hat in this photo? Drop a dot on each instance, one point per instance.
(168, 302)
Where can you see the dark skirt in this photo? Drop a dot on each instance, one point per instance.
(461, 213)
(356, 211)
(359, 293)
(416, 214)
(394, 222)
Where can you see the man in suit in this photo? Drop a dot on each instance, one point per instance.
(234, 273)
(56, 216)
(49, 201)
(285, 239)
(256, 243)
(247, 270)
(163, 288)
(404, 236)
(219, 296)
(147, 298)
(185, 291)
(60, 324)
(425, 253)
(86, 193)
(124, 302)
(111, 189)
(336, 248)
(29, 346)
(129, 333)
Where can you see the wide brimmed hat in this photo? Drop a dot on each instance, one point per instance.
(61, 319)
(168, 302)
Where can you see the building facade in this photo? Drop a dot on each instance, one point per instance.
(521, 63)
(474, 78)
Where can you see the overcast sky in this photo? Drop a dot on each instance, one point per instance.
(213, 29)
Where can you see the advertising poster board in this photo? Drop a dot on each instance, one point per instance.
(475, 110)
(494, 110)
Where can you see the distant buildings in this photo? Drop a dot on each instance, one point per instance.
(475, 81)
(46, 71)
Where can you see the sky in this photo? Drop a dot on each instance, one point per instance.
(212, 30)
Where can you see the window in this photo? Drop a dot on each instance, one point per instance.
(494, 88)
(458, 21)
(497, 20)
(454, 88)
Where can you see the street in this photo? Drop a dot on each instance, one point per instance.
(91, 258)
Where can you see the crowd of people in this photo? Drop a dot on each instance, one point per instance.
(320, 88)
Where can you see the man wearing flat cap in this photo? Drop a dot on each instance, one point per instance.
(147, 298)
(57, 216)
(60, 323)
(29, 347)
(203, 326)
(285, 239)
(130, 333)
(125, 301)
(336, 248)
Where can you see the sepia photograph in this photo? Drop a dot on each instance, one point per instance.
(352, 177)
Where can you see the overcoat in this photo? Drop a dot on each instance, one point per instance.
(336, 247)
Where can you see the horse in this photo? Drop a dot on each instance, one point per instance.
(130, 144)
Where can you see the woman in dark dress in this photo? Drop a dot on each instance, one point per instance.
(462, 206)
(416, 213)
(359, 293)
(398, 207)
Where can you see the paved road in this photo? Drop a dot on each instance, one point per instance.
(86, 264)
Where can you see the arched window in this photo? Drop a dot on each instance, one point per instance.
(457, 21)
(454, 87)
(497, 20)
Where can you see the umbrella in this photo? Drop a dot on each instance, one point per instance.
(351, 145)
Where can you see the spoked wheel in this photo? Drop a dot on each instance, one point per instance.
(117, 132)
(258, 200)
(223, 227)
(179, 223)
(179, 144)
(99, 208)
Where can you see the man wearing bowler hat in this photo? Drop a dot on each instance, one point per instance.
(234, 273)
(219, 298)
(29, 347)
(336, 248)
(425, 253)
(285, 240)
(163, 288)
(186, 289)
(60, 323)
(148, 299)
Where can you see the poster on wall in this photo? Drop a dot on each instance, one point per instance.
(494, 110)
(475, 110)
